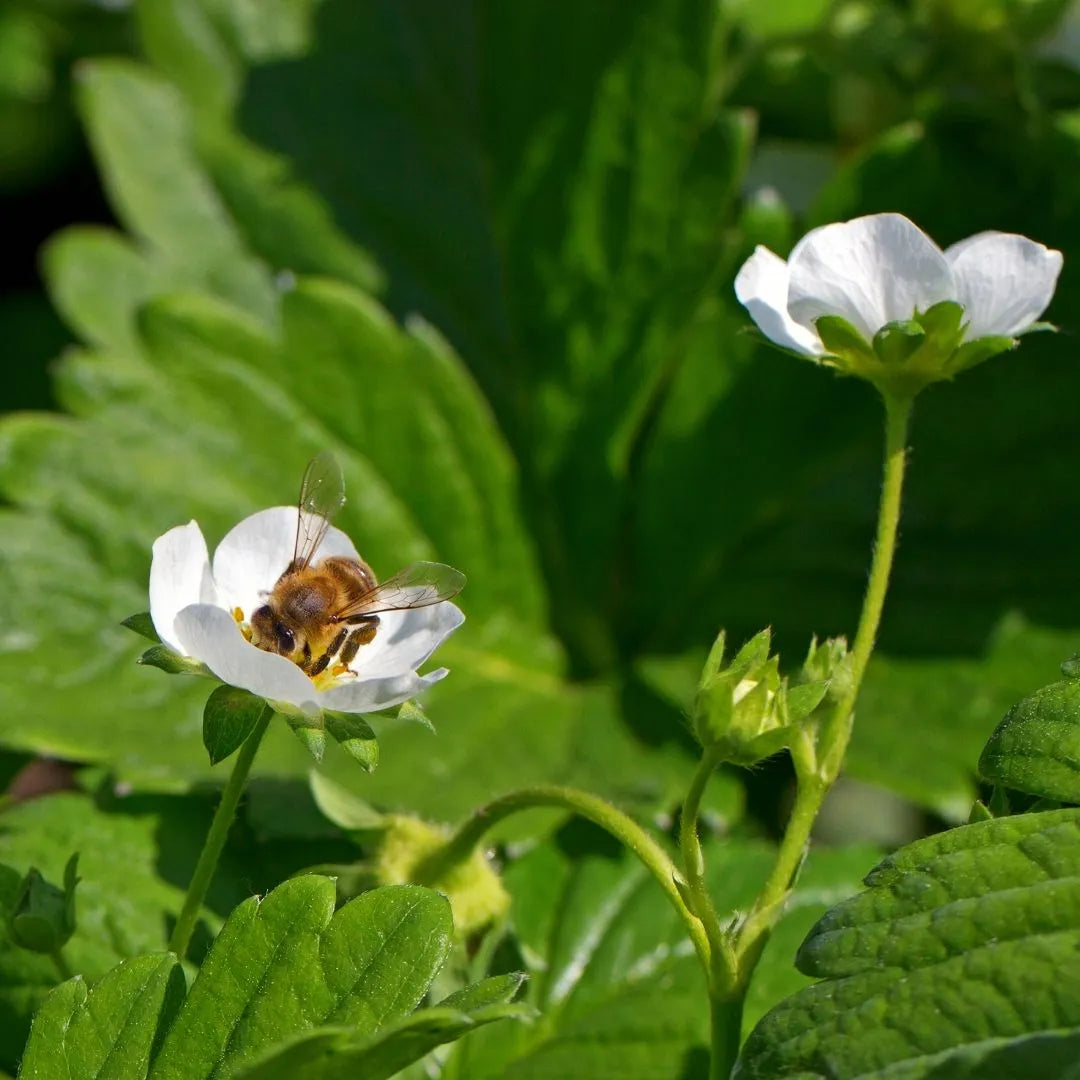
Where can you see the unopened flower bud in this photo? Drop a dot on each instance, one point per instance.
(42, 917)
(477, 896)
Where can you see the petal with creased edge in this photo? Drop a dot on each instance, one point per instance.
(870, 271)
(179, 576)
(762, 288)
(371, 695)
(1004, 282)
(405, 639)
(210, 634)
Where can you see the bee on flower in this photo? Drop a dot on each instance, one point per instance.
(289, 611)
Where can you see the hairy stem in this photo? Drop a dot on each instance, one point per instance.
(466, 837)
(725, 1023)
(816, 771)
(62, 966)
(216, 837)
(722, 973)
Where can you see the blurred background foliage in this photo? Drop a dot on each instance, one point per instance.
(484, 252)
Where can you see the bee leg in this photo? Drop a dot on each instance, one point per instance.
(362, 635)
(306, 662)
(320, 665)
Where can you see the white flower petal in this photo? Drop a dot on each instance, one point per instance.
(870, 271)
(405, 639)
(210, 634)
(371, 695)
(762, 288)
(179, 576)
(255, 552)
(1004, 281)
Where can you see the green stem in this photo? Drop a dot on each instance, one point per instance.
(466, 837)
(725, 1021)
(723, 971)
(817, 771)
(61, 964)
(837, 729)
(216, 837)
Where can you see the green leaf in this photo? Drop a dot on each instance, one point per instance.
(355, 736)
(829, 876)
(965, 949)
(1036, 748)
(229, 718)
(497, 990)
(143, 625)
(336, 1054)
(111, 1031)
(956, 703)
(364, 967)
(362, 970)
(342, 807)
(163, 197)
(135, 855)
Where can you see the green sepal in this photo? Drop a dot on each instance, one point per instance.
(713, 710)
(845, 343)
(165, 659)
(309, 731)
(142, 624)
(896, 342)
(42, 917)
(979, 812)
(830, 662)
(753, 653)
(761, 746)
(229, 717)
(342, 807)
(1040, 328)
(355, 736)
(713, 660)
(412, 712)
(803, 699)
(972, 353)
(1036, 747)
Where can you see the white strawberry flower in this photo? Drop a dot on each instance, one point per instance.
(877, 271)
(199, 607)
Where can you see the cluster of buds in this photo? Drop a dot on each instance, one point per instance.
(748, 710)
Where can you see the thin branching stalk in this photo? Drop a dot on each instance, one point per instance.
(216, 837)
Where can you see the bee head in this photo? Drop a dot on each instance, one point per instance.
(270, 634)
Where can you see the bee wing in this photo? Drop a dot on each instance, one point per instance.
(322, 495)
(419, 585)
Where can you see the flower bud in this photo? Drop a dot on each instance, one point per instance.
(828, 662)
(42, 917)
(748, 709)
(477, 896)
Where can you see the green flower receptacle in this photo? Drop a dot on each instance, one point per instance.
(477, 896)
(1036, 747)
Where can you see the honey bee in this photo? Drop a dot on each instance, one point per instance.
(321, 611)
